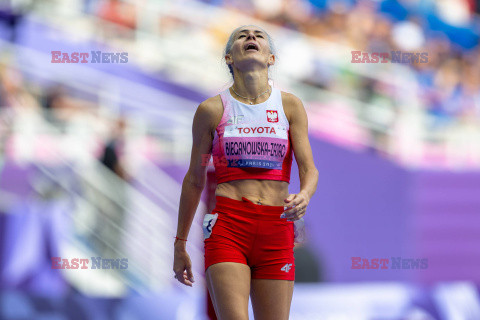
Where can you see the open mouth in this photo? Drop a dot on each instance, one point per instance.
(251, 47)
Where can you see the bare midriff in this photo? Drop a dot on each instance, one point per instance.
(264, 192)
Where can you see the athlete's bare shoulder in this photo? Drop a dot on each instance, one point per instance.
(291, 104)
(210, 111)
(212, 104)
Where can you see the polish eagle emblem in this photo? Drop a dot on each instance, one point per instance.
(272, 116)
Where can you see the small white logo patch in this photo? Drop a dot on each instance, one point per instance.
(236, 119)
(287, 267)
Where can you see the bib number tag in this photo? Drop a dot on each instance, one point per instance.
(208, 223)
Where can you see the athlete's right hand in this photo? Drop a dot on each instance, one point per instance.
(182, 266)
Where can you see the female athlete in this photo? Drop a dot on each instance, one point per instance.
(251, 130)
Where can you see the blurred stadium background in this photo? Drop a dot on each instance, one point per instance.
(92, 155)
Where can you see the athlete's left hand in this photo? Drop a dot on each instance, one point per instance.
(296, 206)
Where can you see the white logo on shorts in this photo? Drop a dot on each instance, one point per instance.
(287, 267)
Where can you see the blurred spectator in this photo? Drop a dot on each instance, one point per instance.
(14, 92)
(11, 14)
(113, 150)
(54, 100)
(61, 107)
(119, 13)
(112, 196)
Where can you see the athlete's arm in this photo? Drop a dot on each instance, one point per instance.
(308, 173)
(192, 186)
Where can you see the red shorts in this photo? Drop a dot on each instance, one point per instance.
(251, 234)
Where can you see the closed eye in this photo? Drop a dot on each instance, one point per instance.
(242, 35)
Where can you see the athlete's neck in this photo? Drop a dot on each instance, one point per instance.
(250, 84)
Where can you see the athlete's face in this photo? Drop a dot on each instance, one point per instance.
(250, 47)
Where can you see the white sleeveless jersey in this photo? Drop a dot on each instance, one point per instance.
(252, 136)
